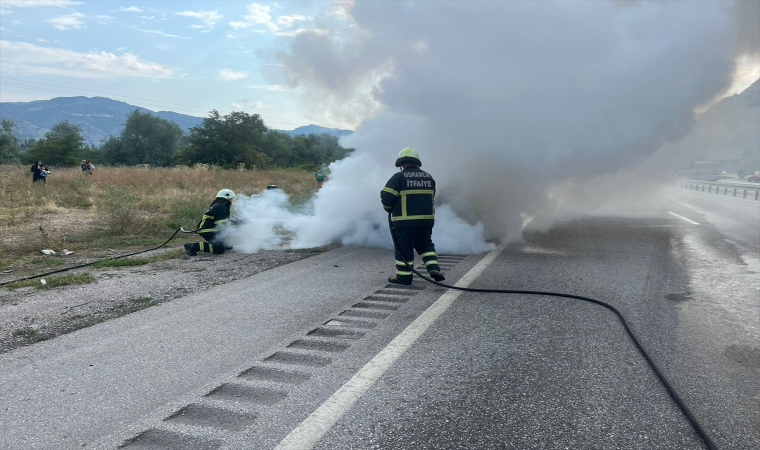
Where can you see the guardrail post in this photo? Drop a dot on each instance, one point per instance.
(734, 192)
(709, 188)
(703, 188)
(745, 194)
(725, 191)
(757, 193)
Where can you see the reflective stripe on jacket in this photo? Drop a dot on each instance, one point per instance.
(409, 196)
(217, 216)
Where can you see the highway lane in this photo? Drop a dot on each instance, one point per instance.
(238, 364)
(737, 218)
(242, 365)
(531, 372)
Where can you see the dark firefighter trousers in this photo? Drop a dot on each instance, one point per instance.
(410, 239)
(212, 244)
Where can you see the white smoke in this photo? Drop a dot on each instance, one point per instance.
(503, 100)
(346, 210)
(261, 219)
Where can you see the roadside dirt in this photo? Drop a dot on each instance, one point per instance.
(29, 314)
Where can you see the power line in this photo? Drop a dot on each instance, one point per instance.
(151, 103)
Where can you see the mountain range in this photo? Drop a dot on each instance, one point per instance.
(101, 117)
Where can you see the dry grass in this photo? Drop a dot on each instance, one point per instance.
(118, 207)
(54, 281)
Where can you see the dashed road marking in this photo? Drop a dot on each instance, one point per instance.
(311, 430)
(683, 218)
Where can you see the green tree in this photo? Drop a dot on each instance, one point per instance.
(227, 141)
(91, 153)
(9, 148)
(61, 145)
(147, 139)
(325, 148)
(277, 146)
(110, 151)
(27, 145)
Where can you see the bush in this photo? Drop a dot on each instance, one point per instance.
(119, 210)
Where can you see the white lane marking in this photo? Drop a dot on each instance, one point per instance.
(314, 427)
(683, 218)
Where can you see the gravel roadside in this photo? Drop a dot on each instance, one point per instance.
(29, 315)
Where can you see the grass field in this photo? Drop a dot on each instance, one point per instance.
(116, 209)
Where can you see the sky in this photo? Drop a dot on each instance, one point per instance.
(184, 56)
(191, 56)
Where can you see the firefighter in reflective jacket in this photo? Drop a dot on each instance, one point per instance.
(213, 221)
(408, 196)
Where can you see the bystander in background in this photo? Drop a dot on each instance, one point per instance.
(43, 174)
(87, 166)
(36, 168)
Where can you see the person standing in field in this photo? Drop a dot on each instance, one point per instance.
(320, 177)
(36, 168)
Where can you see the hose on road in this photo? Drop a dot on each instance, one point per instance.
(31, 277)
(692, 420)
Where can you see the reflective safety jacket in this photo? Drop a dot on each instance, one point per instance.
(217, 216)
(409, 195)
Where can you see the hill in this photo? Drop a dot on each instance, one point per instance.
(316, 129)
(101, 117)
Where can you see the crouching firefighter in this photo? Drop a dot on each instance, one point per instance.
(409, 196)
(213, 221)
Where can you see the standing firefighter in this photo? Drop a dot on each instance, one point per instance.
(213, 221)
(408, 196)
(320, 176)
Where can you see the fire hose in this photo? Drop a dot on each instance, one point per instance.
(31, 277)
(692, 420)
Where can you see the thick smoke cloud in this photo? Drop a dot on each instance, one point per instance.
(504, 101)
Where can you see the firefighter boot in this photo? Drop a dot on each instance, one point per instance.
(189, 250)
(395, 280)
(437, 275)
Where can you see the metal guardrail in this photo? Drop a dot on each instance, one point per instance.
(707, 187)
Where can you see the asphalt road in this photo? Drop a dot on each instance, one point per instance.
(243, 365)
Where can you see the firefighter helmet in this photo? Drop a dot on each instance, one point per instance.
(408, 156)
(226, 193)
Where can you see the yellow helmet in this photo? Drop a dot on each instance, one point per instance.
(408, 156)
